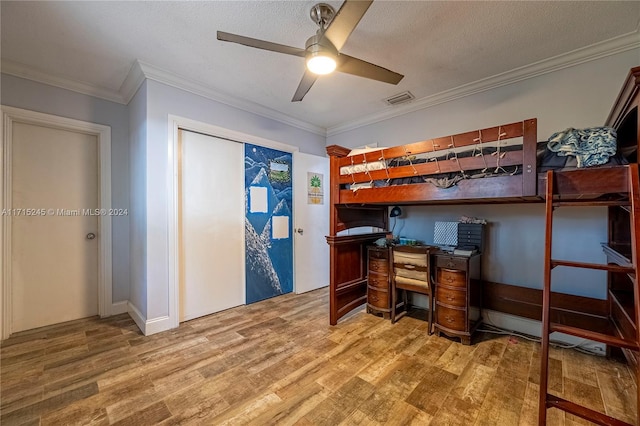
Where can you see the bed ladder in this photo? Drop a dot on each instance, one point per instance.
(632, 205)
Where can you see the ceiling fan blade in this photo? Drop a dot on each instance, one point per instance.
(305, 84)
(345, 21)
(350, 65)
(260, 44)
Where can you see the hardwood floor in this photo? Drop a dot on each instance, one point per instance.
(279, 362)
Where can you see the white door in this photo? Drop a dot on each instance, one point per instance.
(54, 266)
(311, 215)
(211, 225)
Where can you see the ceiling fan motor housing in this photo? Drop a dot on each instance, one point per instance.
(319, 44)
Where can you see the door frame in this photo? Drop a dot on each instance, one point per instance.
(177, 123)
(13, 115)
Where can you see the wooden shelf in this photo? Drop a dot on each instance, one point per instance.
(618, 253)
(624, 299)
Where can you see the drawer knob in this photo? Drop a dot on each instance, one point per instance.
(449, 319)
(449, 298)
(450, 265)
(374, 298)
(449, 279)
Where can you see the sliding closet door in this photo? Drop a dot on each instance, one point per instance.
(269, 239)
(211, 224)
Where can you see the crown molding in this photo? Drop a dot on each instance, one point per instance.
(135, 77)
(165, 77)
(132, 82)
(576, 57)
(17, 69)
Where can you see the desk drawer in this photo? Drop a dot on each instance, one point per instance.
(380, 266)
(451, 297)
(378, 254)
(451, 278)
(378, 280)
(377, 298)
(454, 319)
(452, 262)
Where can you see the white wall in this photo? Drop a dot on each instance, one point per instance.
(579, 96)
(138, 209)
(163, 100)
(27, 94)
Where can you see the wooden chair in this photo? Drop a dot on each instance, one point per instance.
(411, 272)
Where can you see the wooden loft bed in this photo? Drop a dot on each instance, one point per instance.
(368, 206)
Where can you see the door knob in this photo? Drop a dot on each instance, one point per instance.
(300, 231)
(91, 236)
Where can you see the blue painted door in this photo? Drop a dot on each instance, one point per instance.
(268, 224)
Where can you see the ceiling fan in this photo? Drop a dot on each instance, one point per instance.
(322, 51)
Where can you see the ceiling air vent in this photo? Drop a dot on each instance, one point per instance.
(400, 98)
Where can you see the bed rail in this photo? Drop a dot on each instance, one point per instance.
(503, 188)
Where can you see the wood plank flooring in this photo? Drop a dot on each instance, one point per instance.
(279, 362)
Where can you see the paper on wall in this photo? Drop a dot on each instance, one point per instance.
(258, 199)
(279, 227)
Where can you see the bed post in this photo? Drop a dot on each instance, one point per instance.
(335, 153)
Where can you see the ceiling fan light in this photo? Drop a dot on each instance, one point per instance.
(321, 64)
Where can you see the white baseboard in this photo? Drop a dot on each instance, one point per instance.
(148, 327)
(156, 325)
(137, 316)
(120, 308)
(534, 328)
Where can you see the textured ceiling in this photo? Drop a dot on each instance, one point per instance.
(438, 46)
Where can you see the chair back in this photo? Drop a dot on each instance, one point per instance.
(412, 267)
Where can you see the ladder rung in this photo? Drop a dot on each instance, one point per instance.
(584, 412)
(592, 335)
(592, 203)
(610, 268)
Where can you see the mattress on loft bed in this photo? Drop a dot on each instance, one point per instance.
(491, 151)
